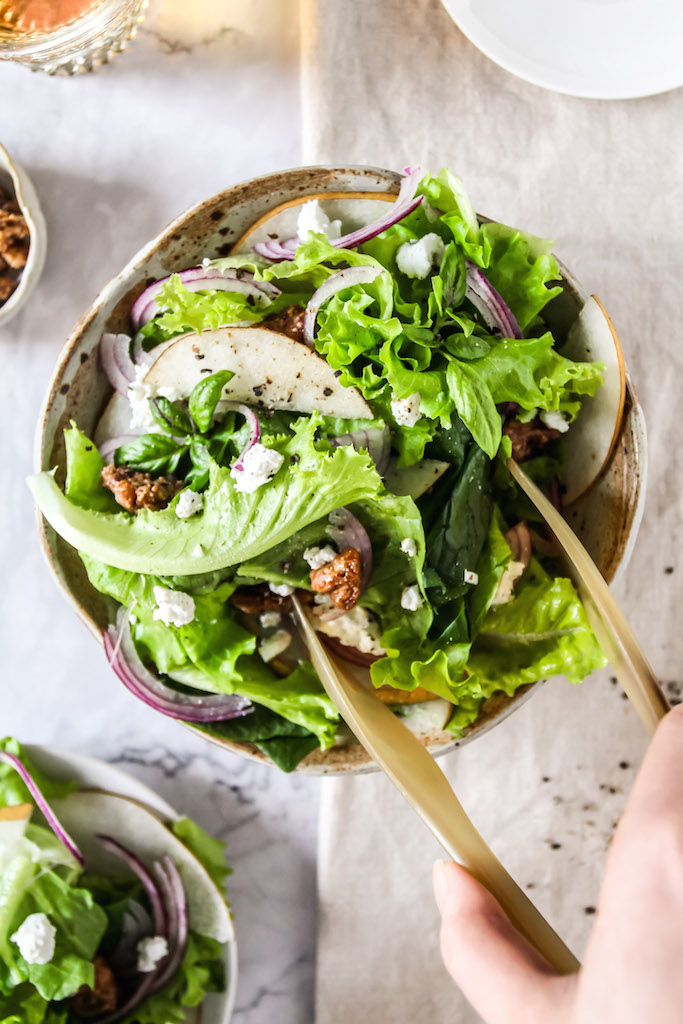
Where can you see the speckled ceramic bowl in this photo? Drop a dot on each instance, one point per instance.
(606, 518)
(15, 180)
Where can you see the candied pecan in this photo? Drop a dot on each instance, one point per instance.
(7, 286)
(340, 579)
(134, 490)
(103, 997)
(290, 322)
(14, 238)
(8, 202)
(528, 439)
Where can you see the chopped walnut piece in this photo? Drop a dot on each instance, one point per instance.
(340, 579)
(290, 322)
(528, 439)
(102, 998)
(134, 490)
(14, 238)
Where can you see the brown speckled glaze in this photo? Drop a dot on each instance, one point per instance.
(606, 518)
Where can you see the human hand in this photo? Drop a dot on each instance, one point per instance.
(632, 967)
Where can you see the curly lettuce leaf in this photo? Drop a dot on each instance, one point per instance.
(27, 889)
(521, 268)
(208, 850)
(26, 1006)
(233, 526)
(214, 652)
(201, 972)
(187, 311)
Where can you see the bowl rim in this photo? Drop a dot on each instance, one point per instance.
(27, 199)
(633, 410)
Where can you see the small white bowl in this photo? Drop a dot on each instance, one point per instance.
(14, 179)
(90, 773)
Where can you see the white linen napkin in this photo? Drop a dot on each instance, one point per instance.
(392, 83)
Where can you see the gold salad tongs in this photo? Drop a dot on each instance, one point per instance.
(417, 776)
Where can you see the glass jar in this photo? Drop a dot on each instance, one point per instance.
(67, 36)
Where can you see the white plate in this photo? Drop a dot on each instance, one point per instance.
(599, 49)
(87, 771)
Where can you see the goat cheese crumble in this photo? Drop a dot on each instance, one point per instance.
(471, 577)
(139, 395)
(151, 950)
(554, 419)
(313, 219)
(36, 939)
(281, 589)
(409, 547)
(416, 258)
(411, 598)
(317, 557)
(270, 619)
(270, 646)
(356, 628)
(258, 465)
(406, 411)
(174, 608)
(188, 504)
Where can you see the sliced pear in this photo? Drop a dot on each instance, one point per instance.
(426, 717)
(271, 370)
(353, 209)
(414, 480)
(85, 815)
(593, 435)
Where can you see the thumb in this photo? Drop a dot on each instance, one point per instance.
(503, 977)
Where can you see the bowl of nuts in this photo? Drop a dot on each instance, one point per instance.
(23, 237)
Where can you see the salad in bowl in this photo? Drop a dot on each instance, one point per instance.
(327, 409)
(112, 908)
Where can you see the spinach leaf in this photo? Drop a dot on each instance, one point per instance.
(151, 453)
(285, 743)
(170, 418)
(450, 443)
(205, 397)
(458, 532)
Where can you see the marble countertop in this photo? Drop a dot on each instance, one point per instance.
(190, 109)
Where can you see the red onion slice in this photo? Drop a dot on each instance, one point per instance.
(406, 202)
(490, 303)
(148, 883)
(112, 444)
(349, 532)
(375, 440)
(43, 806)
(124, 659)
(198, 279)
(254, 429)
(178, 899)
(116, 361)
(335, 283)
(173, 898)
